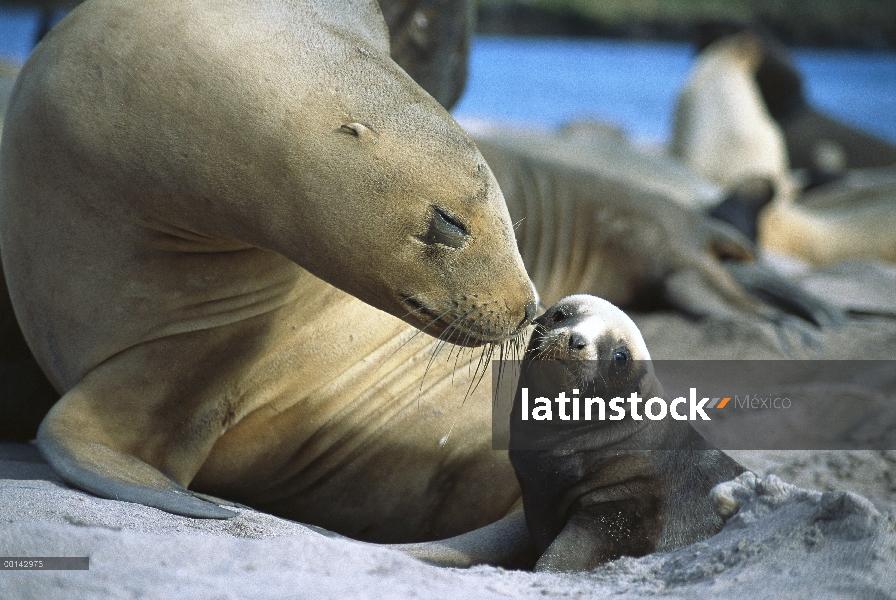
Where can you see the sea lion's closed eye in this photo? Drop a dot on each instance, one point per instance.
(446, 230)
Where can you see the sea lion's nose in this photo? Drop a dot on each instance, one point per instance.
(577, 342)
(531, 311)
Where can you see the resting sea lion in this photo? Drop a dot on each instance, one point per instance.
(722, 128)
(583, 229)
(852, 218)
(607, 488)
(812, 137)
(165, 213)
(429, 39)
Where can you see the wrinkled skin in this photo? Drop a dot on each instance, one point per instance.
(580, 231)
(250, 229)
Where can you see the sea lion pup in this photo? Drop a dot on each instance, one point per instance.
(599, 491)
(207, 242)
(605, 489)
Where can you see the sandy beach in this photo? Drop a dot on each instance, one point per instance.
(834, 536)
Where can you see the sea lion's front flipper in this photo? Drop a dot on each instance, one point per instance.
(729, 279)
(72, 441)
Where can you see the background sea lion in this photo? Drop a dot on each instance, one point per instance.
(854, 217)
(810, 134)
(611, 488)
(723, 130)
(586, 227)
(721, 127)
(159, 287)
(430, 39)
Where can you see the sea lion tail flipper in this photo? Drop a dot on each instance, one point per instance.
(504, 543)
(100, 469)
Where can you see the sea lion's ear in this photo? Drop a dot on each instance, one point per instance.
(581, 545)
(359, 130)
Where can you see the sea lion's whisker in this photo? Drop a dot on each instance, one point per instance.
(460, 348)
(416, 333)
(439, 344)
(488, 347)
(456, 326)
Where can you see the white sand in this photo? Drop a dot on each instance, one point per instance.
(790, 544)
(782, 544)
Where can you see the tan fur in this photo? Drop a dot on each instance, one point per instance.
(853, 218)
(589, 229)
(196, 200)
(722, 128)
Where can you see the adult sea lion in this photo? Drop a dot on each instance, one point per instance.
(852, 218)
(722, 128)
(430, 40)
(606, 488)
(584, 227)
(811, 135)
(165, 213)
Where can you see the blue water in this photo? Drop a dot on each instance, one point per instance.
(632, 84)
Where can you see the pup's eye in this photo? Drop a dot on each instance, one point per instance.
(446, 230)
(559, 315)
(621, 357)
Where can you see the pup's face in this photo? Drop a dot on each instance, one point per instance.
(598, 346)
